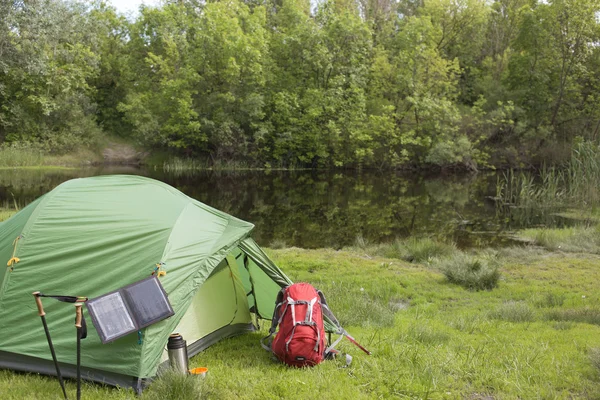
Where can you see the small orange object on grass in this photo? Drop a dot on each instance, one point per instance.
(200, 371)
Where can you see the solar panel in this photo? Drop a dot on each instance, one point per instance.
(129, 309)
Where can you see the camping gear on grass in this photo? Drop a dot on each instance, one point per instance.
(178, 357)
(300, 341)
(300, 313)
(199, 372)
(129, 309)
(42, 314)
(107, 232)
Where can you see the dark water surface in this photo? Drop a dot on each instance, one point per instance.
(322, 208)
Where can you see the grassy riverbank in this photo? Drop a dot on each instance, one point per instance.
(536, 335)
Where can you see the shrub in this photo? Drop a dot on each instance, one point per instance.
(472, 272)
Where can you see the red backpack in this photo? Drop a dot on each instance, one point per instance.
(300, 341)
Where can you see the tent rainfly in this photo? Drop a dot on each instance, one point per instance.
(90, 236)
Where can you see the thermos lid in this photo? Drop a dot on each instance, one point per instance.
(175, 342)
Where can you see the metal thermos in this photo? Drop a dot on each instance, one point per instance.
(177, 349)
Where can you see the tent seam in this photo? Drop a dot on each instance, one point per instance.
(162, 257)
(221, 256)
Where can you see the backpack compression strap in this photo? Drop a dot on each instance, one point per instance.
(308, 320)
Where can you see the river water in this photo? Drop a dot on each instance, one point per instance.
(314, 209)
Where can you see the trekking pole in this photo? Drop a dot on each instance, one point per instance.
(78, 326)
(42, 315)
(354, 342)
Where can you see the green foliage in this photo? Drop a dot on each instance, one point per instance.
(48, 57)
(20, 155)
(444, 83)
(472, 272)
(553, 188)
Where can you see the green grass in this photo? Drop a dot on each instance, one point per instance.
(187, 165)
(533, 336)
(513, 311)
(6, 213)
(172, 385)
(30, 158)
(20, 156)
(471, 271)
(413, 249)
(575, 239)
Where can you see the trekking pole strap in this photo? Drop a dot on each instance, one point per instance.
(70, 299)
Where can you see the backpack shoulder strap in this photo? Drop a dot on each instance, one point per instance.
(275, 321)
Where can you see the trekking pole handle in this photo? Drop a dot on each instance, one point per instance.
(38, 302)
(78, 315)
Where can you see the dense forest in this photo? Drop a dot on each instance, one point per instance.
(289, 83)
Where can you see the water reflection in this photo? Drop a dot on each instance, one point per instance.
(321, 209)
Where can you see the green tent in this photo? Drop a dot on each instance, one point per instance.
(90, 236)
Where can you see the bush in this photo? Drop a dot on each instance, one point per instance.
(472, 272)
(456, 151)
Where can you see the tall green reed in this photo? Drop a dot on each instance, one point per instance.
(576, 184)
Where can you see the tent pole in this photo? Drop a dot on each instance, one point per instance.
(256, 314)
(78, 326)
(42, 315)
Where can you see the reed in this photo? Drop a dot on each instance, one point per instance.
(177, 165)
(574, 184)
(20, 156)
